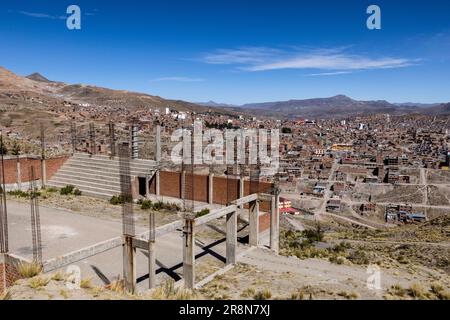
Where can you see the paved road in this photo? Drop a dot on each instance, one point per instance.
(64, 231)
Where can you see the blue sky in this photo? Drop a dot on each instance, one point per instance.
(236, 51)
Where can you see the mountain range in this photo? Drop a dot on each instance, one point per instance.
(18, 90)
(339, 106)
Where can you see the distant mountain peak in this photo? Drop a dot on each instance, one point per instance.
(38, 77)
(341, 97)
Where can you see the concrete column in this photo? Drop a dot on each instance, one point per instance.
(152, 252)
(241, 190)
(43, 173)
(151, 265)
(274, 224)
(157, 183)
(129, 264)
(19, 175)
(183, 185)
(253, 239)
(211, 188)
(147, 186)
(231, 237)
(158, 144)
(157, 159)
(189, 254)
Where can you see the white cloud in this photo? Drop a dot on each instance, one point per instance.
(179, 79)
(41, 15)
(335, 59)
(328, 73)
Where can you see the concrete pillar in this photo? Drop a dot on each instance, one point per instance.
(151, 265)
(129, 264)
(183, 185)
(157, 159)
(211, 188)
(147, 186)
(231, 237)
(158, 144)
(157, 183)
(134, 187)
(241, 190)
(43, 173)
(19, 175)
(189, 254)
(274, 224)
(152, 252)
(253, 238)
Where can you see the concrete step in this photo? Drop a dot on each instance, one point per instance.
(82, 177)
(92, 173)
(96, 185)
(82, 156)
(97, 176)
(139, 164)
(96, 194)
(112, 164)
(109, 170)
(86, 186)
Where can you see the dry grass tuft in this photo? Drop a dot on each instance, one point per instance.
(6, 296)
(417, 291)
(117, 286)
(58, 276)
(29, 270)
(265, 294)
(249, 292)
(86, 283)
(168, 292)
(38, 282)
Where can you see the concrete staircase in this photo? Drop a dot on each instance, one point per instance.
(97, 176)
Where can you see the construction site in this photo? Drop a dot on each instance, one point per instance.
(240, 211)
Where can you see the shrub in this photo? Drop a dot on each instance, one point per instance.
(18, 193)
(315, 235)
(358, 257)
(172, 207)
(51, 189)
(202, 212)
(77, 192)
(120, 199)
(146, 204)
(67, 190)
(157, 206)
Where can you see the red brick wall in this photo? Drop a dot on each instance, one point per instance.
(8, 275)
(171, 182)
(2, 277)
(52, 165)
